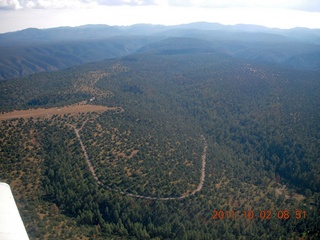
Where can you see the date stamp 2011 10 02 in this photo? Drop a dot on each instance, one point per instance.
(262, 214)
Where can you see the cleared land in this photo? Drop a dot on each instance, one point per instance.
(48, 112)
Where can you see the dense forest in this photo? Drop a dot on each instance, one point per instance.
(261, 125)
(43, 50)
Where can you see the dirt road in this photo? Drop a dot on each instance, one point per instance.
(91, 168)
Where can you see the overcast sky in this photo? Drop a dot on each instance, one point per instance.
(21, 14)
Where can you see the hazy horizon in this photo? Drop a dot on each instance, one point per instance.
(17, 14)
(165, 25)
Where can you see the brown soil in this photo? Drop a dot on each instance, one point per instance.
(283, 190)
(48, 112)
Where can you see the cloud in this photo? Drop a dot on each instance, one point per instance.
(44, 4)
(56, 4)
(127, 2)
(303, 5)
(9, 4)
(308, 5)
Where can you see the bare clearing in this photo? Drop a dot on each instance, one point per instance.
(48, 112)
(285, 191)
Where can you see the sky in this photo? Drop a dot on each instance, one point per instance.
(20, 14)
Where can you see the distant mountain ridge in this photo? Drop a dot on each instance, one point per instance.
(36, 50)
(100, 31)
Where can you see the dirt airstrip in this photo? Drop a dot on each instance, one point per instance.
(48, 112)
(83, 108)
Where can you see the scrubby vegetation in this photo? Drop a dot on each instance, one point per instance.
(261, 124)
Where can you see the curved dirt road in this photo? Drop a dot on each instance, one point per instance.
(91, 168)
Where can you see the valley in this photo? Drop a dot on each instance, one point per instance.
(45, 50)
(148, 145)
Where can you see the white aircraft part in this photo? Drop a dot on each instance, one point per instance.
(11, 225)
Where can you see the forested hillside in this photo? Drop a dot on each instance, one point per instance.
(177, 108)
(43, 50)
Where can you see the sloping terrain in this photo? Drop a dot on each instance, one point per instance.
(22, 60)
(41, 50)
(261, 125)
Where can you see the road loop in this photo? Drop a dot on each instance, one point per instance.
(91, 168)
